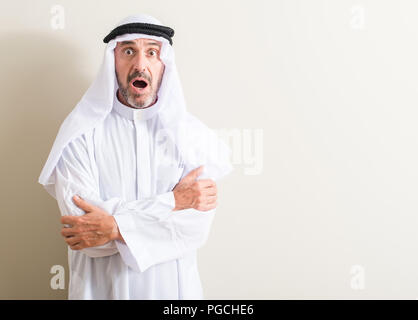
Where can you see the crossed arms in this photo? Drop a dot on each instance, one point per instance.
(145, 232)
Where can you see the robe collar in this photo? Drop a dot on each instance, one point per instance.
(135, 114)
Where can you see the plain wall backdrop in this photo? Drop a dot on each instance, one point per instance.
(321, 99)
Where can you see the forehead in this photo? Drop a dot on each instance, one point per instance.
(143, 42)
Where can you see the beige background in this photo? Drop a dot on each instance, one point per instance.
(330, 84)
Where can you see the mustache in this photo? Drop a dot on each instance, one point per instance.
(139, 74)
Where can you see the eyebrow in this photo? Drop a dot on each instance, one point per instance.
(153, 44)
(125, 43)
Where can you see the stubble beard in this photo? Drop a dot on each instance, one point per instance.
(132, 99)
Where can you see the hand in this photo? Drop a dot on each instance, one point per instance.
(92, 229)
(198, 194)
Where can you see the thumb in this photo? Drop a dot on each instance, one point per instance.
(192, 175)
(82, 204)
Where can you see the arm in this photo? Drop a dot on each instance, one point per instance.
(155, 238)
(152, 231)
(75, 175)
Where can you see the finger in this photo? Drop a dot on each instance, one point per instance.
(206, 183)
(211, 200)
(66, 232)
(206, 207)
(77, 246)
(211, 191)
(82, 204)
(71, 241)
(192, 175)
(71, 220)
(212, 205)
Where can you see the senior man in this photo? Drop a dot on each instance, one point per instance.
(134, 174)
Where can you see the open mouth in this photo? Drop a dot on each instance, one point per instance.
(140, 84)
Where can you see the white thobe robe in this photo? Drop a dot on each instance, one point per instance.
(124, 167)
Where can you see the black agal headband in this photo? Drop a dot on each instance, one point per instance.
(146, 28)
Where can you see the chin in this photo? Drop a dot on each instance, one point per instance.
(139, 103)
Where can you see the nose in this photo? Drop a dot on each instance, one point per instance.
(141, 61)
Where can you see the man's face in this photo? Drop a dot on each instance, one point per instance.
(139, 71)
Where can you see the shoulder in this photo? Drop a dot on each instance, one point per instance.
(78, 147)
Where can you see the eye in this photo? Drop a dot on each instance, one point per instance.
(129, 51)
(153, 52)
